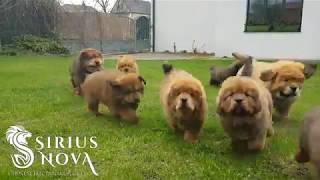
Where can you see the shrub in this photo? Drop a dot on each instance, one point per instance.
(40, 45)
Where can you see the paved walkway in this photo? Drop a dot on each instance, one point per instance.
(163, 56)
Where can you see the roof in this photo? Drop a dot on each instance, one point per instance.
(131, 6)
(78, 8)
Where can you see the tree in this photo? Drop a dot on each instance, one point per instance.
(104, 4)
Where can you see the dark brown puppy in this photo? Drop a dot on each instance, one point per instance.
(218, 75)
(119, 91)
(89, 61)
(309, 148)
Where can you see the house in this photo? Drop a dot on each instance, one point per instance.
(219, 26)
(132, 8)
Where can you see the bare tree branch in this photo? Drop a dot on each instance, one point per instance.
(104, 4)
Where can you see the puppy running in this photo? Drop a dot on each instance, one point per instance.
(284, 80)
(183, 99)
(127, 63)
(89, 61)
(245, 109)
(119, 91)
(309, 148)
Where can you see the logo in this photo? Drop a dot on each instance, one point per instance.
(55, 153)
(17, 137)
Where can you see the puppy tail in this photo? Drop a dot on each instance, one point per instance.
(167, 68)
(247, 67)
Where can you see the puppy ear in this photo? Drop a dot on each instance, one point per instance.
(84, 55)
(309, 70)
(142, 80)
(267, 75)
(224, 103)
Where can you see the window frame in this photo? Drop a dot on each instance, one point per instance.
(247, 18)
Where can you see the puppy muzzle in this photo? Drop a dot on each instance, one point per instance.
(289, 93)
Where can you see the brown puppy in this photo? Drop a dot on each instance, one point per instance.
(284, 80)
(309, 148)
(127, 63)
(184, 102)
(89, 61)
(119, 91)
(245, 109)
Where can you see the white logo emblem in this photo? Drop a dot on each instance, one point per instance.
(17, 137)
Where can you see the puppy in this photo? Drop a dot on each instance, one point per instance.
(245, 109)
(184, 103)
(284, 80)
(309, 148)
(127, 63)
(218, 75)
(89, 61)
(119, 91)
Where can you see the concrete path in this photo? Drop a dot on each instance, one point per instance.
(163, 56)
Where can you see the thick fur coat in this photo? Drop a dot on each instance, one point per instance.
(183, 100)
(120, 92)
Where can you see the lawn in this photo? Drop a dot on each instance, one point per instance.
(35, 92)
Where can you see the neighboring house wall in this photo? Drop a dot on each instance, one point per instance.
(218, 26)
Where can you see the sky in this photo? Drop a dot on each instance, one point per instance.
(87, 2)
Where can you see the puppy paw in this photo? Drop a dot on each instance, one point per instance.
(77, 92)
(191, 137)
(302, 157)
(254, 146)
(270, 132)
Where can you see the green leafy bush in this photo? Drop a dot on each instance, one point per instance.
(40, 45)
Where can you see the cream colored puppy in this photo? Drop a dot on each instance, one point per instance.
(127, 64)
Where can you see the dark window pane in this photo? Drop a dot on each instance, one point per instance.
(274, 15)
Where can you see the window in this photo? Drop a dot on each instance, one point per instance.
(274, 16)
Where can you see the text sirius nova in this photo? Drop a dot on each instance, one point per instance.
(16, 136)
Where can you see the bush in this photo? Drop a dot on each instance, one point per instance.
(40, 45)
(8, 53)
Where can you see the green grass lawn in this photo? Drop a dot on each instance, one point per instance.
(35, 92)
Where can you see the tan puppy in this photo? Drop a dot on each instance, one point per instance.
(309, 148)
(119, 91)
(184, 102)
(245, 109)
(89, 61)
(284, 79)
(127, 63)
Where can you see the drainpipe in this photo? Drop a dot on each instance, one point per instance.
(153, 25)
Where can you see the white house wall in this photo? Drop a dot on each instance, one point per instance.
(218, 26)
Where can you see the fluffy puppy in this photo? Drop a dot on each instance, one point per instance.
(119, 91)
(309, 147)
(284, 80)
(245, 109)
(183, 100)
(89, 61)
(127, 63)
